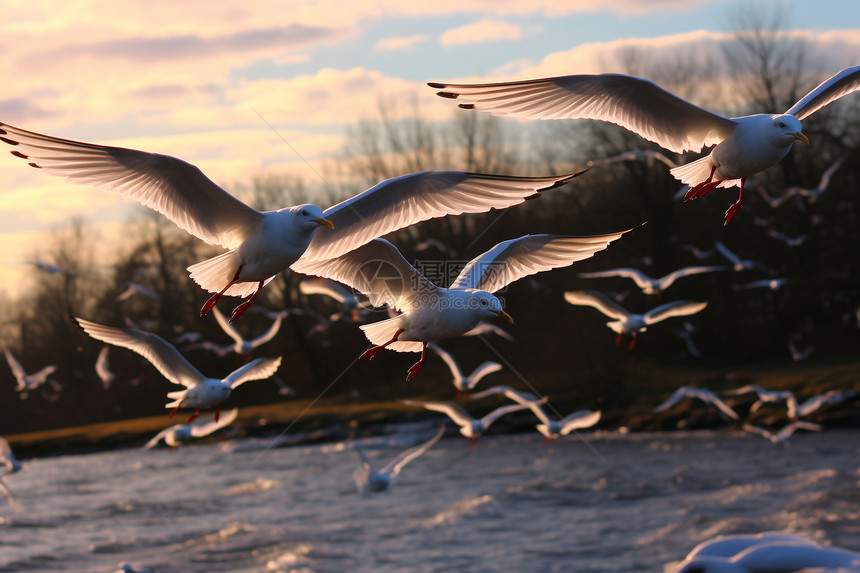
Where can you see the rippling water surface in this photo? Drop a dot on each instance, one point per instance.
(512, 503)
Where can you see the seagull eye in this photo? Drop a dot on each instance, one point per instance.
(304, 213)
(782, 124)
(484, 303)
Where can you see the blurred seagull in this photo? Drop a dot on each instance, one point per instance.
(8, 465)
(336, 291)
(490, 328)
(786, 432)
(102, 369)
(739, 264)
(243, 346)
(54, 269)
(133, 288)
(469, 426)
(744, 145)
(626, 322)
(768, 397)
(812, 195)
(175, 436)
(700, 394)
(430, 313)
(772, 284)
(260, 245)
(798, 355)
(27, 382)
(814, 403)
(790, 241)
(651, 286)
(686, 334)
(369, 479)
(200, 391)
(462, 382)
(698, 253)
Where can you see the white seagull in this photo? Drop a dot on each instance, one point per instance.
(812, 195)
(789, 241)
(27, 382)
(260, 245)
(462, 382)
(175, 436)
(430, 313)
(701, 394)
(744, 145)
(368, 479)
(768, 397)
(815, 403)
(133, 288)
(102, 369)
(469, 426)
(9, 464)
(200, 391)
(627, 322)
(649, 285)
(242, 345)
(490, 328)
(739, 264)
(786, 432)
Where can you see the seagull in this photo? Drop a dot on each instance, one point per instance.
(378, 270)
(772, 284)
(8, 465)
(757, 553)
(744, 145)
(789, 241)
(768, 397)
(27, 382)
(369, 479)
(698, 253)
(462, 382)
(798, 355)
(469, 426)
(812, 195)
(551, 429)
(54, 269)
(739, 264)
(686, 334)
(651, 286)
(814, 403)
(626, 322)
(336, 291)
(262, 244)
(243, 346)
(434, 243)
(102, 369)
(701, 394)
(133, 288)
(200, 391)
(774, 202)
(490, 328)
(174, 436)
(786, 432)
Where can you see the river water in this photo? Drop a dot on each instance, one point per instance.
(512, 502)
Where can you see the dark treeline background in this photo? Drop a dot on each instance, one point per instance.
(560, 348)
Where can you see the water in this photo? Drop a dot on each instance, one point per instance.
(512, 503)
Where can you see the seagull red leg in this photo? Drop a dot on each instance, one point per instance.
(703, 188)
(240, 310)
(217, 296)
(413, 370)
(632, 341)
(618, 339)
(217, 411)
(371, 352)
(734, 208)
(193, 416)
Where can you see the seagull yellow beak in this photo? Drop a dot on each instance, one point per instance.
(327, 223)
(505, 315)
(800, 137)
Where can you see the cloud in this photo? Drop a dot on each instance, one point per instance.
(399, 43)
(481, 32)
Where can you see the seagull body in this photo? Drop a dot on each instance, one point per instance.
(812, 195)
(786, 432)
(368, 479)
(798, 355)
(769, 397)
(200, 391)
(26, 383)
(701, 394)
(133, 288)
(649, 285)
(626, 322)
(462, 382)
(743, 145)
(814, 403)
(490, 328)
(738, 264)
(789, 241)
(243, 346)
(772, 284)
(175, 436)
(698, 253)
(262, 244)
(429, 312)
(470, 427)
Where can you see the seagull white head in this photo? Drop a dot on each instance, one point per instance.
(786, 129)
(487, 305)
(309, 217)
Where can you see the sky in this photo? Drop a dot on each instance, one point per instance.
(200, 80)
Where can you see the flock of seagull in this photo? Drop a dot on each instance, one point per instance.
(343, 243)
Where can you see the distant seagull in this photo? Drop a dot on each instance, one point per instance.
(469, 426)
(649, 285)
(744, 145)
(626, 322)
(485, 327)
(774, 202)
(243, 346)
(431, 312)
(54, 269)
(814, 403)
(200, 391)
(635, 155)
(551, 429)
(700, 254)
(102, 369)
(739, 264)
(335, 291)
(187, 337)
(8, 465)
(798, 355)
(768, 397)
(772, 284)
(812, 195)
(283, 389)
(368, 479)
(462, 382)
(700, 394)
(686, 334)
(133, 288)
(27, 382)
(786, 432)
(435, 244)
(175, 436)
(766, 553)
(789, 241)
(262, 244)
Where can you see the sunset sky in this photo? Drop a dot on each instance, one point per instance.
(190, 78)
